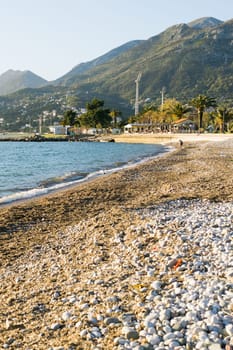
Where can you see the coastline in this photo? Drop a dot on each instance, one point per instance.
(54, 187)
(58, 252)
(165, 138)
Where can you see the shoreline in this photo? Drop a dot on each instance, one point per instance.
(152, 138)
(165, 138)
(84, 186)
(84, 266)
(34, 193)
(162, 139)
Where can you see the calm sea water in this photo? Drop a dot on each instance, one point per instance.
(31, 169)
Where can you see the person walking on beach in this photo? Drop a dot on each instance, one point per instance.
(181, 143)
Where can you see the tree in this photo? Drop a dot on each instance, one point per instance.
(169, 112)
(223, 117)
(70, 118)
(172, 110)
(179, 110)
(201, 102)
(150, 107)
(134, 119)
(114, 114)
(96, 115)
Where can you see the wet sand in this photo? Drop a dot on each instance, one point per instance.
(34, 235)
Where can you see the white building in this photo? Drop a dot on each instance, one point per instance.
(59, 129)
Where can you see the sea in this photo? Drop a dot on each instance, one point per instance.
(30, 169)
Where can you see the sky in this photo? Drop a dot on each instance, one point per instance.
(50, 37)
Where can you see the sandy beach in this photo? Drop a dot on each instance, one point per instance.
(61, 284)
(165, 138)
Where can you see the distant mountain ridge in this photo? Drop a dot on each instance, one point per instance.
(13, 80)
(84, 67)
(186, 59)
(201, 23)
(205, 22)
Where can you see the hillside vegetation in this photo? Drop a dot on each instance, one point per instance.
(184, 61)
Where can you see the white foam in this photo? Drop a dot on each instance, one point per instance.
(35, 192)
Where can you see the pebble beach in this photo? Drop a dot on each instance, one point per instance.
(139, 259)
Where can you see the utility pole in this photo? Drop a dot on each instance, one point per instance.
(137, 93)
(40, 124)
(223, 120)
(162, 97)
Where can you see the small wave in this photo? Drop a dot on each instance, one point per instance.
(71, 179)
(73, 176)
(23, 195)
(39, 191)
(119, 164)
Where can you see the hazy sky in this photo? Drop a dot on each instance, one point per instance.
(50, 37)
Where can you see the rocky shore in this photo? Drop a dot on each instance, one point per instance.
(139, 259)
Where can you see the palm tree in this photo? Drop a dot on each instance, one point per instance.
(114, 114)
(149, 107)
(179, 110)
(201, 102)
(224, 115)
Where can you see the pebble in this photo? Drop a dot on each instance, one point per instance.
(111, 320)
(66, 316)
(130, 333)
(191, 313)
(229, 329)
(166, 285)
(156, 285)
(56, 326)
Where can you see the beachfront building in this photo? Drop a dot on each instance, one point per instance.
(92, 131)
(184, 125)
(146, 128)
(59, 129)
(116, 131)
(137, 128)
(181, 125)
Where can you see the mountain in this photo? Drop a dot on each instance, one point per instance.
(186, 59)
(204, 22)
(84, 67)
(13, 80)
